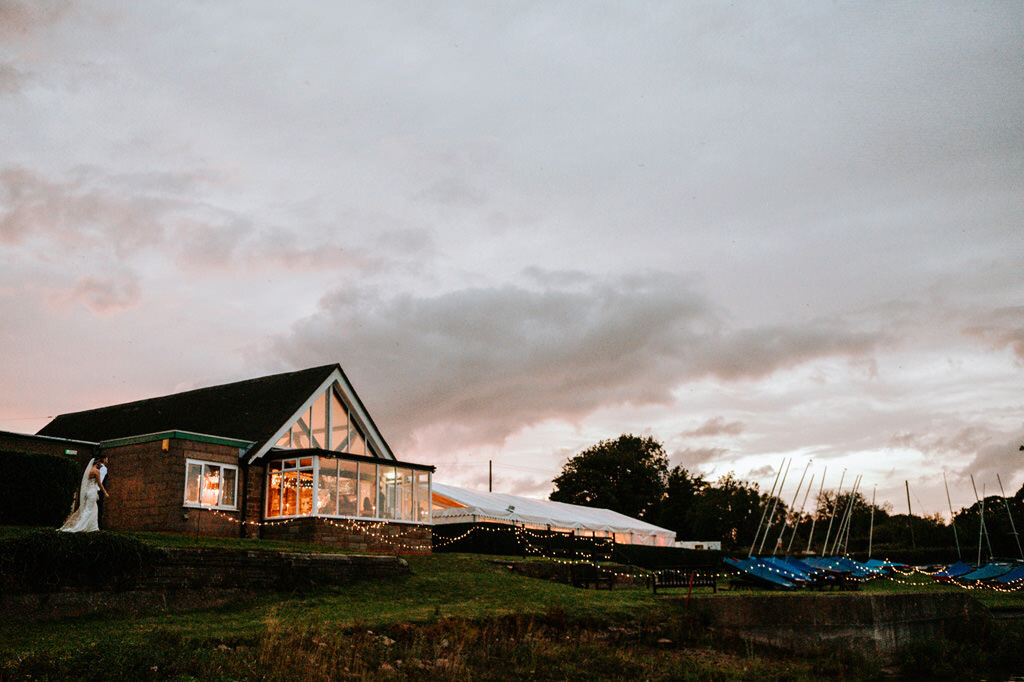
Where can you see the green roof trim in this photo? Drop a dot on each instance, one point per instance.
(181, 435)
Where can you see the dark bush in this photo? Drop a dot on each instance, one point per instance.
(49, 561)
(36, 489)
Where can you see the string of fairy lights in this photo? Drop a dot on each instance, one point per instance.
(602, 551)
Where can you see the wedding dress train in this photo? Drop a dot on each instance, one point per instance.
(86, 517)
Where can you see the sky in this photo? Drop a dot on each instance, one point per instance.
(755, 231)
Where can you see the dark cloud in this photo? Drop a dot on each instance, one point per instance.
(689, 458)
(1002, 456)
(496, 360)
(716, 426)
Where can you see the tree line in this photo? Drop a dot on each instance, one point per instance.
(631, 475)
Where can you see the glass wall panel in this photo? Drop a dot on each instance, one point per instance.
(290, 493)
(300, 431)
(284, 441)
(347, 488)
(406, 494)
(387, 506)
(368, 489)
(192, 478)
(319, 422)
(339, 424)
(274, 489)
(356, 442)
(305, 492)
(423, 496)
(327, 487)
(228, 487)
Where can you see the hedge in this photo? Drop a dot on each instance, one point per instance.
(36, 489)
(51, 561)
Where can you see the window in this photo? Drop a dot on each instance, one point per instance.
(210, 484)
(326, 425)
(332, 486)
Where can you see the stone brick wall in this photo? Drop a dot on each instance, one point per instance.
(189, 578)
(364, 536)
(146, 484)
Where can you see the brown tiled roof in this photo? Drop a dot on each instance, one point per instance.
(251, 410)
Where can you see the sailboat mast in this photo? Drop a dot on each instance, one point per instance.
(775, 504)
(871, 528)
(792, 505)
(849, 513)
(910, 517)
(831, 518)
(817, 512)
(765, 510)
(1012, 525)
(803, 505)
(952, 520)
(983, 531)
(844, 519)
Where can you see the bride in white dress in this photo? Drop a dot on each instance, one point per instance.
(86, 517)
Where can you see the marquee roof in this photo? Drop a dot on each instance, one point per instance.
(484, 506)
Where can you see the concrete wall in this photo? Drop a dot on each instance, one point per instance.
(878, 624)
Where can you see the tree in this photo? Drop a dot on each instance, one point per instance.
(728, 510)
(626, 475)
(682, 492)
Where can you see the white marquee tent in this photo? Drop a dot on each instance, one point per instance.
(459, 505)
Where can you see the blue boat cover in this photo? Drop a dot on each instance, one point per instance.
(987, 572)
(1011, 577)
(954, 570)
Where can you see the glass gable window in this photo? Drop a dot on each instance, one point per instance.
(339, 487)
(211, 484)
(326, 425)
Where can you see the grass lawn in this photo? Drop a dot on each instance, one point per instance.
(453, 617)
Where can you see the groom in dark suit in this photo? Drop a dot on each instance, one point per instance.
(101, 462)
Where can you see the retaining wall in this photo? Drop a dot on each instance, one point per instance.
(188, 578)
(876, 624)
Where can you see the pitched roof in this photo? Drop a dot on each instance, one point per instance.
(252, 410)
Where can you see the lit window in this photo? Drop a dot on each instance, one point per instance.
(209, 484)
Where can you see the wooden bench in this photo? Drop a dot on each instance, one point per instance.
(684, 577)
(589, 576)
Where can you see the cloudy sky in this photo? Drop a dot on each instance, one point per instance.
(754, 231)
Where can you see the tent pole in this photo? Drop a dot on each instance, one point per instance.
(1012, 525)
(952, 520)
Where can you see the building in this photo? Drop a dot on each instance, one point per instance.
(291, 456)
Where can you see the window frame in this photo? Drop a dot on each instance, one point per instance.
(205, 464)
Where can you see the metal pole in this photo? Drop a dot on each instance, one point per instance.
(1012, 525)
(952, 519)
(910, 517)
(490, 475)
(982, 531)
(775, 504)
(817, 512)
(803, 505)
(785, 518)
(824, 548)
(871, 528)
(849, 514)
(842, 519)
(765, 510)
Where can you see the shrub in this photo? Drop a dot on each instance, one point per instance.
(49, 561)
(36, 489)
